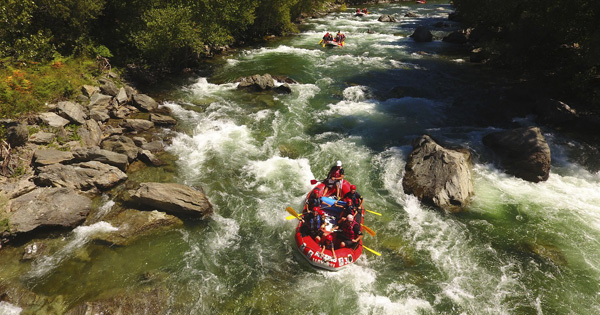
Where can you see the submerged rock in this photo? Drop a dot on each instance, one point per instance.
(438, 176)
(172, 198)
(523, 152)
(257, 82)
(422, 34)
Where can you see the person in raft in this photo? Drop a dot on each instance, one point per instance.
(314, 199)
(351, 233)
(327, 37)
(328, 244)
(339, 37)
(337, 174)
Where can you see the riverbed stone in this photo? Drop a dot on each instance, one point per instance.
(104, 156)
(99, 113)
(121, 144)
(89, 90)
(439, 176)
(99, 99)
(456, 37)
(154, 146)
(72, 111)
(386, 18)
(422, 34)
(90, 133)
(17, 135)
(257, 82)
(522, 152)
(122, 96)
(172, 198)
(162, 120)
(47, 207)
(145, 102)
(52, 120)
(108, 87)
(137, 125)
(83, 176)
(42, 138)
(48, 156)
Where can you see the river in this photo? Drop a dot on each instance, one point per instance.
(519, 248)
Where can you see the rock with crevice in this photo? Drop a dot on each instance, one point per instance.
(137, 125)
(145, 102)
(83, 176)
(162, 120)
(172, 198)
(439, 176)
(72, 111)
(48, 156)
(52, 120)
(104, 156)
(42, 138)
(121, 144)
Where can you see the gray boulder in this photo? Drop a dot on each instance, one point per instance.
(99, 113)
(422, 34)
(145, 102)
(121, 144)
(386, 18)
(284, 89)
(523, 152)
(90, 175)
(47, 207)
(162, 120)
(154, 146)
(42, 138)
(99, 99)
(17, 135)
(438, 176)
(108, 87)
(71, 111)
(172, 198)
(122, 96)
(457, 37)
(257, 82)
(90, 133)
(43, 157)
(104, 156)
(89, 90)
(149, 158)
(52, 120)
(137, 125)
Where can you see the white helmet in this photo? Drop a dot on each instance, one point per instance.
(350, 218)
(339, 163)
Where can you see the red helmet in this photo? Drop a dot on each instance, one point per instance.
(330, 237)
(352, 187)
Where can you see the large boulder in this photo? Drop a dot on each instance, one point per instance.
(422, 34)
(47, 207)
(172, 198)
(104, 156)
(386, 18)
(134, 224)
(90, 175)
(523, 152)
(121, 144)
(17, 135)
(257, 82)
(90, 133)
(457, 37)
(43, 157)
(52, 120)
(108, 87)
(438, 176)
(145, 102)
(71, 111)
(99, 99)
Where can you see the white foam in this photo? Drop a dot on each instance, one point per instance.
(9, 309)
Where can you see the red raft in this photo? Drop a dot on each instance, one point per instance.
(309, 248)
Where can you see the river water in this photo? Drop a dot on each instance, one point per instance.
(519, 248)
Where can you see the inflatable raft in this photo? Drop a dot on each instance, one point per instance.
(332, 43)
(309, 248)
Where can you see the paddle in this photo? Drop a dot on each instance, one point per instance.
(372, 251)
(371, 232)
(320, 41)
(373, 212)
(293, 212)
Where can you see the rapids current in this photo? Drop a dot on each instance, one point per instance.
(519, 248)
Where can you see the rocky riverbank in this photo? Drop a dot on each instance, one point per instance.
(56, 165)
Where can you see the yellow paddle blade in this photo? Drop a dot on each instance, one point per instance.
(373, 212)
(289, 217)
(320, 41)
(372, 251)
(292, 212)
(368, 230)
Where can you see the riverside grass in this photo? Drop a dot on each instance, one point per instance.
(26, 87)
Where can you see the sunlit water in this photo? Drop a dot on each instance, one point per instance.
(519, 248)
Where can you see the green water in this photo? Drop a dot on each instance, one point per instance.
(520, 248)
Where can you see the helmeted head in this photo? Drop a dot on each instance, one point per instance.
(350, 218)
(339, 163)
(329, 237)
(352, 187)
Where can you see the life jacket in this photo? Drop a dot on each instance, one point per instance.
(353, 198)
(315, 222)
(335, 172)
(348, 229)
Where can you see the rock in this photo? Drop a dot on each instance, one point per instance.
(257, 82)
(149, 158)
(139, 141)
(442, 25)
(16, 189)
(457, 37)
(89, 90)
(134, 224)
(411, 15)
(17, 135)
(422, 34)
(121, 144)
(81, 176)
(71, 111)
(122, 96)
(438, 176)
(284, 79)
(137, 125)
(99, 113)
(104, 156)
(478, 55)
(120, 112)
(145, 102)
(154, 146)
(112, 131)
(99, 99)
(556, 113)
(47, 207)
(151, 299)
(42, 138)
(523, 152)
(162, 120)
(52, 120)
(43, 157)
(108, 87)
(284, 89)
(172, 198)
(386, 18)
(90, 133)
(33, 251)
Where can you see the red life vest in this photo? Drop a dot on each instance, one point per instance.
(335, 173)
(348, 229)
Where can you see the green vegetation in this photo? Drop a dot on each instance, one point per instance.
(556, 42)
